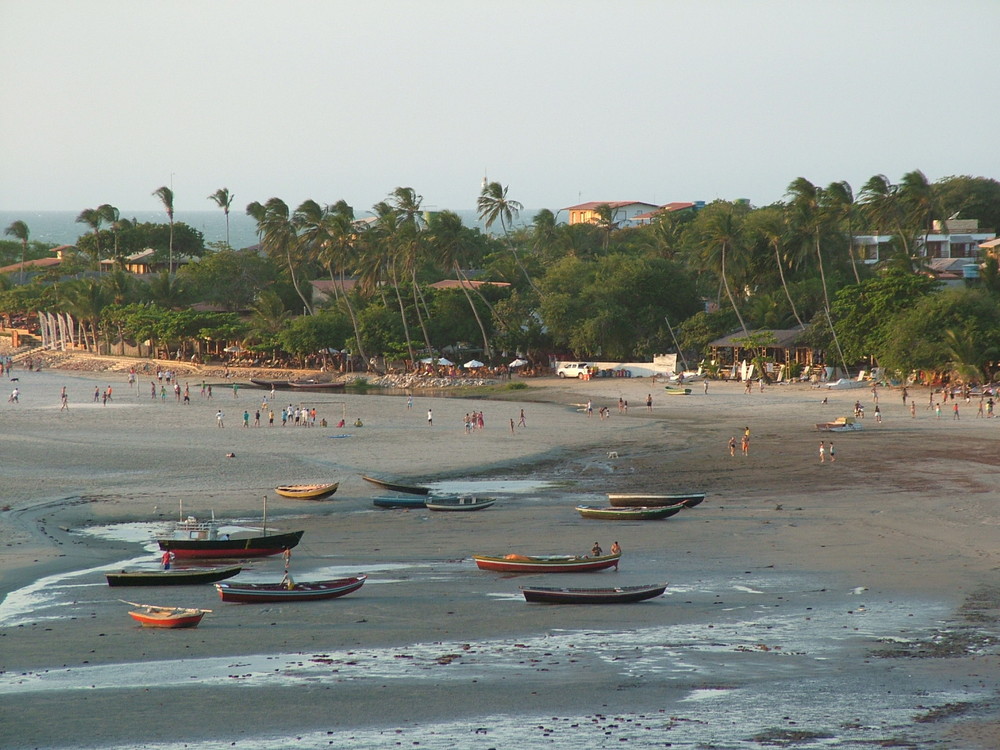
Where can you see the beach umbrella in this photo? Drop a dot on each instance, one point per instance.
(233, 349)
(444, 361)
(472, 363)
(427, 361)
(518, 363)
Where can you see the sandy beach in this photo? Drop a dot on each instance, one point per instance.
(852, 602)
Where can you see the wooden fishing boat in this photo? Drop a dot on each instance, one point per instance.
(545, 563)
(617, 595)
(311, 384)
(458, 502)
(188, 577)
(153, 616)
(631, 513)
(840, 424)
(636, 499)
(287, 591)
(253, 546)
(307, 491)
(411, 489)
(399, 501)
(269, 384)
(673, 390)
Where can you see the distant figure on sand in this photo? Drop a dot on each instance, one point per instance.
(732, 446)
(430, 416)
(833, 456)
(822, 452)
(218, 418)
(649, 402)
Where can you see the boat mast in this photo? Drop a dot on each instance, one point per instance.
(265, 515)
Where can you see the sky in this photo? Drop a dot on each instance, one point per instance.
(562, 102)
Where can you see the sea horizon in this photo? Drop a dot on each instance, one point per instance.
(57, 227)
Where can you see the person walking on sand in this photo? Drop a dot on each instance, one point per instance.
(409, 401)
(822, 452)
(706, 386)
(590, 408)
(954, 410)
(745, 445)
(522, 422)
(218, 418)
(649, 402)
(979, 411)
(833, 456)
(732, 446)
(937, 410)
(64, 399)
(512, 425)
(878, 415)
(236, 390)
(430, 416)
(913, 409)
(97, 394)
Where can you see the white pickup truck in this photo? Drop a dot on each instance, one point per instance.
(572, 369)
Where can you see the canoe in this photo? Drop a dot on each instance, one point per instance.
(399, 501)
(635, 499)
(251, 593)
(171, 577)
(276, 384)
(307, 491)
(673, 390)
(411, 489)
(617, 595)
(152, 616)
(840, 424)
(460, 502)
(545, 563)
(254, 546)
(317, 385)
(632, 513)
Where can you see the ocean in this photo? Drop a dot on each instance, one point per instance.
(61, 227)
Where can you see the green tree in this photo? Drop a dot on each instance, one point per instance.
(224, 200)
(720, 227)
(970, 198)
(93, 217)
(19, 230)
(493, 205)
(166, 196)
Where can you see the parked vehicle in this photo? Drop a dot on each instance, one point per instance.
(572, 369)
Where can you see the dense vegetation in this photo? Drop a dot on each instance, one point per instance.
(595, 290)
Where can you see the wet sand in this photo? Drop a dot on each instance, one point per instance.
(853, 600)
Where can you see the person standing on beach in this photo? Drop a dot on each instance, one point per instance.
(409, 401)
(649, 402)
(590, 408)
(97, 394)
(246, 418)
(152, 390)
(822, 452)
(878, 415)
(954, 410)
(979, 411)
(64, 400)
(937, 410)
(833, 456)
(236, 390)
(706, 386)
(512, 425)
(218, 418)
(430, 417)
(732, 446)
(913, 409)
(745, 445)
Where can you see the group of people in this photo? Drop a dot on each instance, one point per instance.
(596, 550)
(744, 443)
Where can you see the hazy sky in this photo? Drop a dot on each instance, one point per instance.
(103, 101)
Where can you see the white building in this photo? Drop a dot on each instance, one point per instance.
(957, 238)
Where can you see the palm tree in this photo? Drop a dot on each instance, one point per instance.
(607, 221)
(93, 218)
(337, 254)
(384, 235)
(223, 199)
(769, 224)
(722, 234)
(494, 205)
(808, 217)
(840, 203)
(880, 201)
(919, 204)
(409, 247)
(279, 240)
(166, 196)
(112, 216)
(19, 230)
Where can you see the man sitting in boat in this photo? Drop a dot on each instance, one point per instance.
(596, 550)
(287, 581)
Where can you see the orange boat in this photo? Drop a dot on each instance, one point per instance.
(153, 616)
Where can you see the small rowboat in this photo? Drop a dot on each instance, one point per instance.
(410, 489)
(636, 513)
(171, 577)
(673, 390)
(635, 499)
(252, 593)
(152, 616)
(318, 385)
(275, 384)
(307, 491)
(840, 424)
(399, 501)
(545, 563)
(458, 502)
(617, 595)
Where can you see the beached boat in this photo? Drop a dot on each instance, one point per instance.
(307, 491)
(840, 424)
(399, 501)
(311, 384)
(458, 502)
(211, 548)
(673, 390)
(631, 513)
(411, 489)
(251, 593)
(645, 499)
(617, 595)
(153, 616)
(545, 563)
(269, 384)
(187, 577)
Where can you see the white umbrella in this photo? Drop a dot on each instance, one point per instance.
(233, 349)
(472, 363)
(427, 361)
(444, 361)
(518, 363)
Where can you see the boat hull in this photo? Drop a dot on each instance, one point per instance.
(632, 500)
(168, 619)
(458, 503)
(410, 489)
(171, 577)
(546, 564)
(307, 491)
(400, 501)
(276, 384)
(636, 513)
(254, 593)
(316, 385)
(675, 391)
(257, 546)
(618, 595)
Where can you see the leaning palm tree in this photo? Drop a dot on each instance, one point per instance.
(809, 219)
(384, 235)
(166, 196)
(279, 241)
(19, 230)
(840, 203)
(93, 218)
(223, 199)
(769, 225)
(112, 216)
(722, 235)
(919, 204)
(338, 254)
(494, 205)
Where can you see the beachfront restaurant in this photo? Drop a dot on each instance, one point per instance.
(784, 349)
